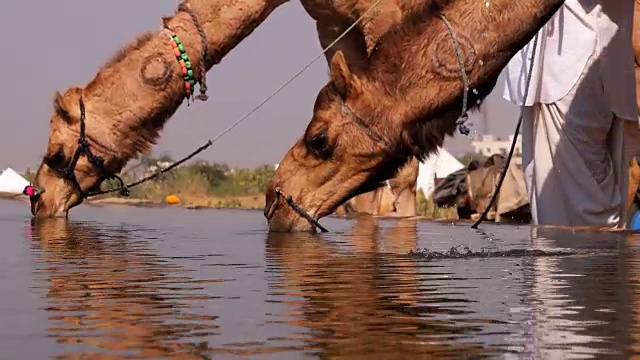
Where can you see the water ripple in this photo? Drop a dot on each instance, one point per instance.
(213, 287)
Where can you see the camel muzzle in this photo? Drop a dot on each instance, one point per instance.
(296, 208)
(34, 196)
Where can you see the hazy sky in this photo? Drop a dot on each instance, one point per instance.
(52, 45)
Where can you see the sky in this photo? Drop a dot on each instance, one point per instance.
(53, 45)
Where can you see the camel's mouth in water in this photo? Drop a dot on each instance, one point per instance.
(53, 205)
(38, 210)
(284, 214)
(310, 217)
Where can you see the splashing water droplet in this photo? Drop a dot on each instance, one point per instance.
(474, 91)
(484, 34)
(486, 4)
(481, 62)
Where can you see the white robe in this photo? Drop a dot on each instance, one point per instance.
(582, 84)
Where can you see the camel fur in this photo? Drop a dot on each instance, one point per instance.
(409, 94)
(134, 93)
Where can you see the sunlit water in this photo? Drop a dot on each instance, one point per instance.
(156, 283)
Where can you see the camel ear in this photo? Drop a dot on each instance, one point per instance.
(634, 163)
(345, 82)
(67, 106)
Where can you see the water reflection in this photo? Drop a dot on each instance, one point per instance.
(363, 300)
(108, 290)
(632, 317)
(582, 305)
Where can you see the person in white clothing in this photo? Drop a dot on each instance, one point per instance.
(581, 96)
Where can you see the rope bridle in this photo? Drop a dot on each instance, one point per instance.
(84, 149)
(99, 164)
(377, 137)
(461, 122)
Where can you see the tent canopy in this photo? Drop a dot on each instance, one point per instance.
(437, 166)
(12, 182)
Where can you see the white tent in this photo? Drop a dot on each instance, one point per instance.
(436, 166)
(12, 182)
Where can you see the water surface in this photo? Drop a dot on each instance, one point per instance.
(213, 284)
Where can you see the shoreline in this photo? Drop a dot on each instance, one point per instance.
(231, 202)
(142, 203)
(212, 203)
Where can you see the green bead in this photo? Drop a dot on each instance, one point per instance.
(187, 64)
(190, 72)
(192, 82)
(175, 38)
(181, 47)
(184, 56)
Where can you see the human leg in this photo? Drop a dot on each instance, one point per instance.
(575, 179)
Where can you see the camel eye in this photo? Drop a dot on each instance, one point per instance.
(319, 145)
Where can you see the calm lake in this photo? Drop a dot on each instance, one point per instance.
(125, 282)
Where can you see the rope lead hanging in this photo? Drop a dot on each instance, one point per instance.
(503, 173)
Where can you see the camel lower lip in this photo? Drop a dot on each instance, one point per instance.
(272, 209)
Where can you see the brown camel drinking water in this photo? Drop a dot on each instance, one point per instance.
(357, 47)
(366, 125)
(133, 95)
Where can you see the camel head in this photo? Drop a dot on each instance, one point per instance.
(61, 181)
(340, 155)
(122, 117)
(367, 123)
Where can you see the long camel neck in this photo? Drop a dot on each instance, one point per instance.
(417, 67)
(138, 90)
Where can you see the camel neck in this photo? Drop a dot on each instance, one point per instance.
(417, 67)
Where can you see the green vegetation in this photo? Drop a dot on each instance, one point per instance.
(200, 183)
(466, 158)
(427, 208)
(197, 183)
(29, 175)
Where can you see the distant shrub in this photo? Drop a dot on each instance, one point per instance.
(217, 185)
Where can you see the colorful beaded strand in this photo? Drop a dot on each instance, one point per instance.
(185, 65)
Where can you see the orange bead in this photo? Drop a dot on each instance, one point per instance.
(176, 51)
(181, 62)
(174, 45)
